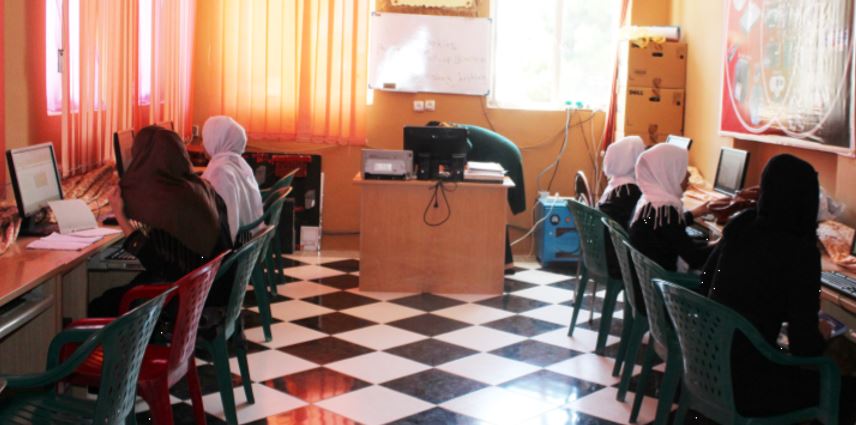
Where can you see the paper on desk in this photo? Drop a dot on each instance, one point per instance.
(58, 242)
(73, 215)
(98, 231)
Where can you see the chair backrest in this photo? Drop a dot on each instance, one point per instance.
(124, 342)
(582, 190)
(619, 238)
(705, 332)
(193, 289)
(646, 270)
(242, 261)
(284, 181)
(592, 238)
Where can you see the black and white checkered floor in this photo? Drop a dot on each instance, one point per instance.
(343, 356)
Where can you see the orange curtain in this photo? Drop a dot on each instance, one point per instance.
(2, 109)
(172, 60)
(287, 70)
(608, 135)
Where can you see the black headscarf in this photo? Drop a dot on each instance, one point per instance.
(789, 197)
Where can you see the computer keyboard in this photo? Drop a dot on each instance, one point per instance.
(839, 282)
(123, 255)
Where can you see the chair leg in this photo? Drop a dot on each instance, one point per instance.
(639, 328)
(224, 379)
(643, 381)
(263, 302)
(622, 345)
(156, 395)
(593, 301)
(243, 366)
(277, 259)
(195, 389)
(612, 291)
(132, 418)
(683, 406)
(668, 388)
(578, 302)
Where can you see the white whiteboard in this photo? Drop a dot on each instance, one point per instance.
(428, 53)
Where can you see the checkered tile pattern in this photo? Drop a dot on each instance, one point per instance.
(341, 356)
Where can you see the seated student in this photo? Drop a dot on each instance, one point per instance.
(230, 175)
(173, 220)
(658, 229)
(489, 146)
(767, 268)
(621, 194)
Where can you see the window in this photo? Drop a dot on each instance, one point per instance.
(552, 51)
(53, 60)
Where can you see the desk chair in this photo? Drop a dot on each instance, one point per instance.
(284, 182)
(121, 343)
(592, 242)
(662, 342)
(228, 325)
(582, 189)
(281, 184)
(705, 331)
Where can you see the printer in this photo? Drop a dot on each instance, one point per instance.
(387, 164)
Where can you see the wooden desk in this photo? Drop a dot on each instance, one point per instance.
(52, 285)
(400, 252)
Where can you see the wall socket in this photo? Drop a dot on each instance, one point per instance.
(430, 105)
(418, 106)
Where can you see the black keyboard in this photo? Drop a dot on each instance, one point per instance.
(839, 282)
(121, 254)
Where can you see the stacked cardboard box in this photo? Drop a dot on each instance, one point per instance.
(651, 91)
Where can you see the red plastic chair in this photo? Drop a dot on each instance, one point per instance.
(163, 366)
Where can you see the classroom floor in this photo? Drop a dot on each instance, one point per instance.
(342, 356)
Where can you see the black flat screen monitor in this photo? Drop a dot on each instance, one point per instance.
(122, 142)
(684, 142)
(35, 181)
(438, 152)
(731, 171)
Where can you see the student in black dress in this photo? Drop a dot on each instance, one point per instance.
(619, 199)
(659, 223)
(767, 268)
(173, 220)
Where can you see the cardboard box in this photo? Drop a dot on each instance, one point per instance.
(650, 113)
(657, 65)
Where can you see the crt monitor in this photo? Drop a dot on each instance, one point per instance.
(684, 142)
(731, 171)
(435, 148)
(35, 180)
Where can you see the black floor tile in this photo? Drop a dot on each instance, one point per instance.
(347, 266)
(207, 380)
(612, 350)
(316, 384)
(427, 302)
(434, 386)
(522, 325)
(340, 300)
(615, 326)
(570, 284)
(253, 320)
(250, 298)
(182, 414)
(567, 268)
(431, 352)
(326, 350)
(536, 353)
(333, 323)
(252, 347)
(342, 281)
(437, 416)
(511, 285)
(429, 324)
(512, 303)
(552, 387)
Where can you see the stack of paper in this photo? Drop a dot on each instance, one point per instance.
(484, 171)
(73, 241)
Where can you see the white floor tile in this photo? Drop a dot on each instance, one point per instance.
(377, 367)
(284, 333)
(295, 309)
(142, 406)
(590, 367)
(268, 402)
(480, 338)
(380, 337)
(310, 272)
(583, 340)
(547, 294)
(558, 314)
(304, 289)
(315, 257)
(383, 312)
(374, 405)
(469, 298)
(497, 406)
(475, 314)
(604, 405)
(381, 295)
(271, 364)
(488, 368)
(538, 277)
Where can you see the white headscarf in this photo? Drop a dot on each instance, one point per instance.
(619, 163)
(232, 178)
(660, 171)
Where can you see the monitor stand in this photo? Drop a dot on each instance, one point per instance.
(30, 228)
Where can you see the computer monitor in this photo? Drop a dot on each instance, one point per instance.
(684, 142)
(731, 171)
(35, 181)
(438, 152)
(122, 143)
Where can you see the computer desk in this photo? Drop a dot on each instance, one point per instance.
(39, 289)
(834, 303)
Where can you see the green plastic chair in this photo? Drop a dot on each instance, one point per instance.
(663, 341)
(124, 342)
(592, 242)
(283, 183)
(275, 260)
(706, 330)
(631, 335)
(263, 279)
(215, 338)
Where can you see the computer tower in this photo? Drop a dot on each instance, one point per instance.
(556, 237)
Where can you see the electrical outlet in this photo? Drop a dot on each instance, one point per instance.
(418, 106)
(430, 105)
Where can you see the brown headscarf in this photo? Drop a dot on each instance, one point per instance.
(161, 190)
